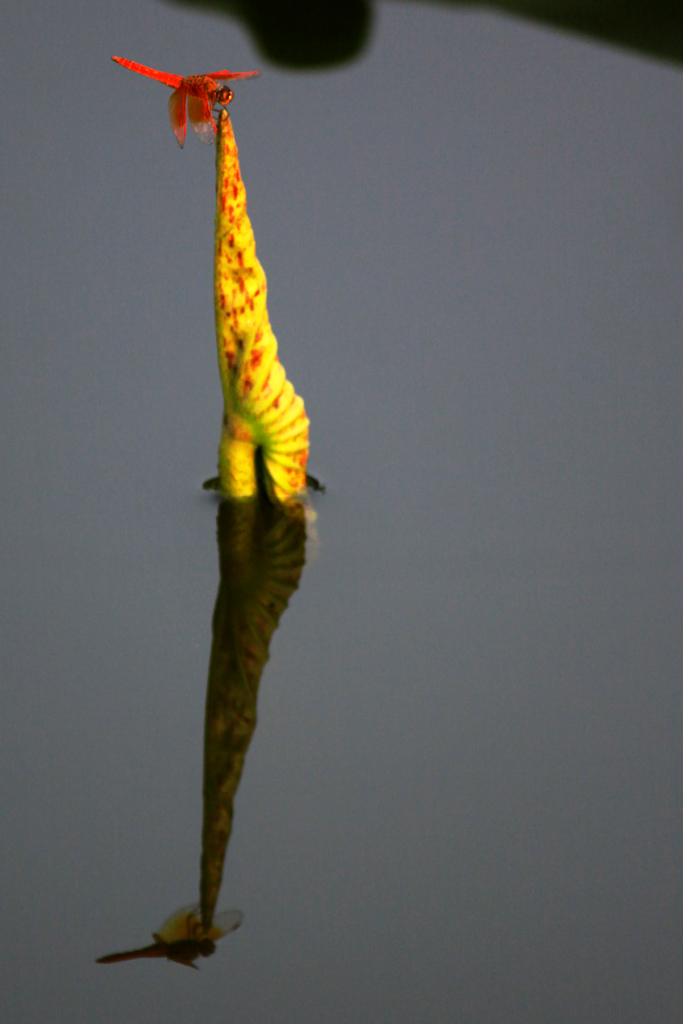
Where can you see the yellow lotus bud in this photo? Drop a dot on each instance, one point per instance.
(262, 409)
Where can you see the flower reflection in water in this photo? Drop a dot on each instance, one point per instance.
(261, 549)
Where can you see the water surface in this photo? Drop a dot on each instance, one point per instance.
(462, 800)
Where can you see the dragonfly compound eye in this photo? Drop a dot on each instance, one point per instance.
(224, 95)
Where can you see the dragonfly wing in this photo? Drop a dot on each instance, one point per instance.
(159, 76)
(180, 925)
(233, 74)
(226, 921)
(201, 118)
(176, 108)
(186, 924)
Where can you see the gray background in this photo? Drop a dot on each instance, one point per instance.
(463, 799)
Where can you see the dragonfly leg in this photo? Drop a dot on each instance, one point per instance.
(314, 484)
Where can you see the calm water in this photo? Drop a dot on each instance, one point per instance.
(463, 797)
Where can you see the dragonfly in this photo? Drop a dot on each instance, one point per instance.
(199, 92)
(181, 938)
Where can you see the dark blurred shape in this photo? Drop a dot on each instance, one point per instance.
(261, 550)
(317, 33)
(654, 27)
(301, 33)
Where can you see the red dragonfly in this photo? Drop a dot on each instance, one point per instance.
(201, 93)
(181, 938)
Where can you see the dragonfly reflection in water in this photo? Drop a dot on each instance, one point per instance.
(182, 938)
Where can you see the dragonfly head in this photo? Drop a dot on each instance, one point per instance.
(206, 947)
(223, 95)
